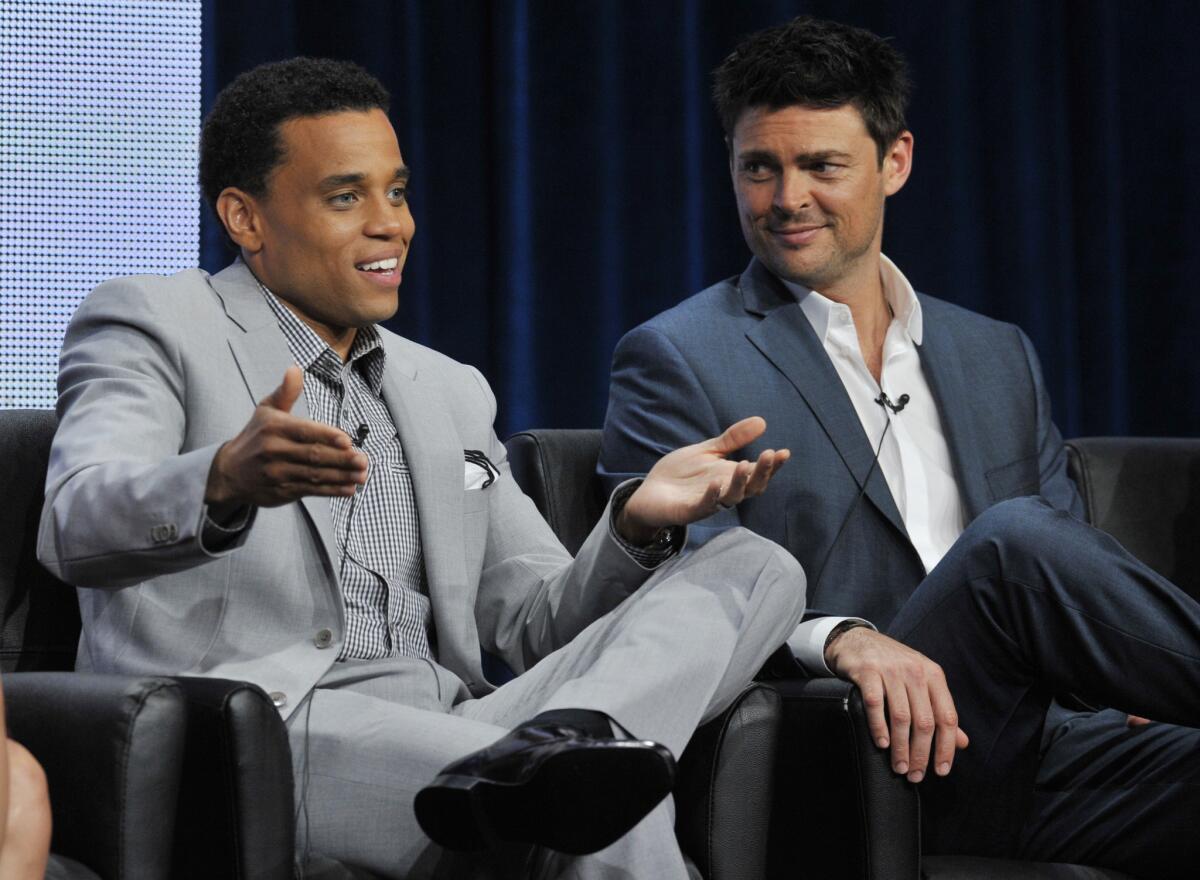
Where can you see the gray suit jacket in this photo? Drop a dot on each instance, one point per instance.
(156, 373)
(743, 347)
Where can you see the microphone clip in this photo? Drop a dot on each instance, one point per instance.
(883, 401)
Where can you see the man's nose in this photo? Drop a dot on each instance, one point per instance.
(387, 220)
(792, 192)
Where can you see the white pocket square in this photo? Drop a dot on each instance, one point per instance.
(478, 470)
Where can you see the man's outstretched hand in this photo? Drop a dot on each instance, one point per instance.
(920, 717)
(279, 457)
(690, 483)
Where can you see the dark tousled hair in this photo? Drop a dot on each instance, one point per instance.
(239, 142)
(815, 63)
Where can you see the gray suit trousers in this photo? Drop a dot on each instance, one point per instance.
(671, 656)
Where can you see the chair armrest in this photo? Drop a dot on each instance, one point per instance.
(839, 809)
(112, 749)
(726, 785)
(236, 799)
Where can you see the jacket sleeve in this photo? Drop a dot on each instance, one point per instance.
(533, 598)
(656, 403)
(1056, 486)
(123, 503)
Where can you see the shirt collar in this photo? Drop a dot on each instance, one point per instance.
(906, 308)
(315, 356)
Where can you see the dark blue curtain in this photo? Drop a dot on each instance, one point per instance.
(571, 180)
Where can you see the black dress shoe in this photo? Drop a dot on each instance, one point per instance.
(546, 784)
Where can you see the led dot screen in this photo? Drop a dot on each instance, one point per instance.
(99, 120)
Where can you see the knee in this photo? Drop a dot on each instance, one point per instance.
(1027, 525)
(779, 586)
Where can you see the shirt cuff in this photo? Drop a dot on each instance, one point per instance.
(808, 642)
(653, 555)
(216, 537)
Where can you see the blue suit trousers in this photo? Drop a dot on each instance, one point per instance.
(1031, 603)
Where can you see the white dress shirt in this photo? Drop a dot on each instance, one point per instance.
(913, 456)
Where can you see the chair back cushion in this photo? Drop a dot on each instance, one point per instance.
(1145, 492)
(39, 629)
(557, 469)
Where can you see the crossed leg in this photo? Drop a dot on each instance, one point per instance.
(669, 657)
(1030, 603)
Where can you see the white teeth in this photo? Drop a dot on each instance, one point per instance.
(380, 265)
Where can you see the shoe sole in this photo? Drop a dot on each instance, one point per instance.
(576, 802)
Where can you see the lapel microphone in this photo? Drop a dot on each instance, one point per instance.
(364, 429)
(883, 400)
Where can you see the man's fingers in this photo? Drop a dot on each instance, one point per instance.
(922, 729)
(313, 454)
(308, 431)
(738, 435)
(285, 396)
(761, 474)
(286, 474)
(947, 730)
(900, 722)
(736, 490)
(874, 702)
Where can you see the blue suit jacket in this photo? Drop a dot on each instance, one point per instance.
(743, 347)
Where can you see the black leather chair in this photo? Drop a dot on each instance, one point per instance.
(150, 777)
(838, 810)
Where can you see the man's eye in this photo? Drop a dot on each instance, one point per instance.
(343, 199)
(756, 170)
(398, 193)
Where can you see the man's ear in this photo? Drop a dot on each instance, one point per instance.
(897, 164)
(239, 213)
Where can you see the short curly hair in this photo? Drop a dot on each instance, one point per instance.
(811, 62)
(239, 141)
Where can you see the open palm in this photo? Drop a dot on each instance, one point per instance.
(690, 483)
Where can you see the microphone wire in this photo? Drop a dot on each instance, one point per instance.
(862, 491)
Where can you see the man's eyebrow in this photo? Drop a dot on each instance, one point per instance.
(335, 180)
(801, 158)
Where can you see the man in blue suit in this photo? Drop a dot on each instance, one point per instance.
(950, 576)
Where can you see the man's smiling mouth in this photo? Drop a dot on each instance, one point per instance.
(380, 266)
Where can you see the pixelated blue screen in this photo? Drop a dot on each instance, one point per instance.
(99, 119)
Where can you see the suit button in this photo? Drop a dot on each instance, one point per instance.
(323, 638)
(279, 698)
(161, 534)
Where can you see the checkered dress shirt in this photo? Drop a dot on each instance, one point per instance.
(378, 530)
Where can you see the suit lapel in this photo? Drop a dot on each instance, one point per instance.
(785, 338)
(262, 355)
(434, 452)
(944, 368)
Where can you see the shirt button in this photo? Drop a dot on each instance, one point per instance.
(279, 698)
(323, 638)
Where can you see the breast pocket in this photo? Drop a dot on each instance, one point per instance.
(1012, 480)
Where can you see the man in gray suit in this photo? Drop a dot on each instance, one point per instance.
(922, 438)
(251, 480)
